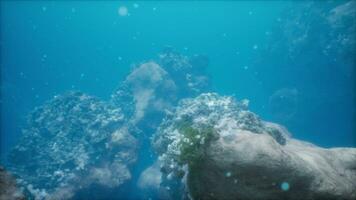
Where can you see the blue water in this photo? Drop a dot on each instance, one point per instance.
(50, 47)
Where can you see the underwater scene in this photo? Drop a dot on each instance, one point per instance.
(178, 100)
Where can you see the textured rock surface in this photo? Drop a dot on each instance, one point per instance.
(71, 142)
(217, 149)
(8, 187)
(153, 89)
(74, 140)
(149, 93)
(150, 179)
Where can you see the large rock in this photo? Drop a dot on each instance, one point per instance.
(148, 88)
(217, 149)
(150, 179)
(70, 143)
(75, 141)
(151, 91)
(9, 189)
(153, 88)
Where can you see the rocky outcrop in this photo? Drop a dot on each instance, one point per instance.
(210, 147)
(153, 88)
(9, 189)
(217, 149)
(75, 140)
(150, 179)
(71, 142)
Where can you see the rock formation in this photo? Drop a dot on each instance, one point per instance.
(217, 149)
(9, 189)
(154, 88)
(71, 142)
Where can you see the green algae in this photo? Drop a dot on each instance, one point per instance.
(195, 141)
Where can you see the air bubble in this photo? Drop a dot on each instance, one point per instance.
(123, 11)
(285, 186)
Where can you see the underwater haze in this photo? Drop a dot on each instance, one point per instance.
(178, 99)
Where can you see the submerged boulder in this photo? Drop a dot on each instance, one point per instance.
(147, 90)
(150, 178)
(153, 88)
(71, 142)
(9, 189)
(151, 91)
(212, 147)
(75, 141)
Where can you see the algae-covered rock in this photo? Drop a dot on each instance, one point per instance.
(245, 157)
(71, 142)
